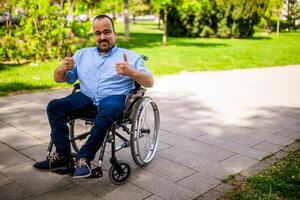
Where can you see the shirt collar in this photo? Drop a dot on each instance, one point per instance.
(111, 52)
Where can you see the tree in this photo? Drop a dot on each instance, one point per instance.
(112, 7)
(273, 11)
(155, 7)
(165, 7)
(40, 34)
(43, 32)
(222, 18)
(139, 7)
(292, 13)
(126, 19)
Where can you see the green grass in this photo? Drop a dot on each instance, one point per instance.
(181, 54)
(202, 54)
(28, 77)
(279, 181)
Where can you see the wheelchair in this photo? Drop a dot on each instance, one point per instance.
(140, 122)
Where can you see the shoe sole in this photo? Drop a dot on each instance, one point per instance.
(52, 169)
(83, 176)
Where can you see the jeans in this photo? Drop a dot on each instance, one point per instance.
(58, 110)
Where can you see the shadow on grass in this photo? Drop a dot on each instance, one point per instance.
(4, 67)
(151, 40)
(7, 88)
(259, 38)
(198, 44)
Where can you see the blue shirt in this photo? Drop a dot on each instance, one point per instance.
(97, 74)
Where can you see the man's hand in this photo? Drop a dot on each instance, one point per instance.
(68, 63)
(123, 67)
(142, 78)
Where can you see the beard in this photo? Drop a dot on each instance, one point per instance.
(104, 45)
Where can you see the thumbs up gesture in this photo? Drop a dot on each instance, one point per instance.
(68, 63)
(69, 54)
(123, 67)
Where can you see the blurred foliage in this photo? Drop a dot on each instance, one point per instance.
(48, 28)
(221, 18)
(44, 32)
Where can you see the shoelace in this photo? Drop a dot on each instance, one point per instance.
(53, 157)
(82, 162)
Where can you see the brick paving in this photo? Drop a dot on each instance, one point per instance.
(213, 124)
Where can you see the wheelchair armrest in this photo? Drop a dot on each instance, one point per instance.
(132, 98)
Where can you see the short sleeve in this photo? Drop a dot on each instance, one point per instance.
(72, 75)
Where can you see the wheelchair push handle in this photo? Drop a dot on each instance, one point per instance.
(145, 58)
(76, 87)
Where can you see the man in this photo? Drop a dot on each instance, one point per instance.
(106, 74)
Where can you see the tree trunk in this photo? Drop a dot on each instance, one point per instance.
(133, 19)
(268, 26)
(126, 19)
(159, 18)
(71, 10)
(278, 26)
(164, 39)
(288, 14)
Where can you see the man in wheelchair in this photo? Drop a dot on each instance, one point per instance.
(106, 74)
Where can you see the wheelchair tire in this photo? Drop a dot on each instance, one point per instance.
(119, 178)
(144, 131)
(78, 133)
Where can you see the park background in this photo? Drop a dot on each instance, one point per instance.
(176, 35)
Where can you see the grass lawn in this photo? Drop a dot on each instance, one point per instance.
(181, 54)
(279, 181)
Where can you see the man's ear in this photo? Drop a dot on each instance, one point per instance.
(116, 35)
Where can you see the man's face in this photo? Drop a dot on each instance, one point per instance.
(104, 34)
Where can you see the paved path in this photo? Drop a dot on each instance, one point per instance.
(213, 124)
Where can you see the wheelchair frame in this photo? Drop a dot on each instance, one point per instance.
(136, 105)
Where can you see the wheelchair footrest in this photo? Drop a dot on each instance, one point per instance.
(96, 173)
(64, 172)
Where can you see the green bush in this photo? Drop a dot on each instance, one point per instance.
(223, 18)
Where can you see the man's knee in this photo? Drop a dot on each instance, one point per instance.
(109, 114)
(54, 105)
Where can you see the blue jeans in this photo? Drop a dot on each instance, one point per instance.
(58, 110)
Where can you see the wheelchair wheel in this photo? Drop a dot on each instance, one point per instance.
(79, 130)
(144, 131)
(119, 177)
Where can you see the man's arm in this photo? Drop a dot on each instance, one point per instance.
(60, 74)
(142, 78)
(61, 71)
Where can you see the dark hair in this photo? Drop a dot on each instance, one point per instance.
(105, 16)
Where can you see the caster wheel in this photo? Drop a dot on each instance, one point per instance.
(119, 177)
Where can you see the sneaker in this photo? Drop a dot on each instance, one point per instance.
(54, 162)
(82, 168)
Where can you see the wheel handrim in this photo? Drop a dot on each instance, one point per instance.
(147, 138)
